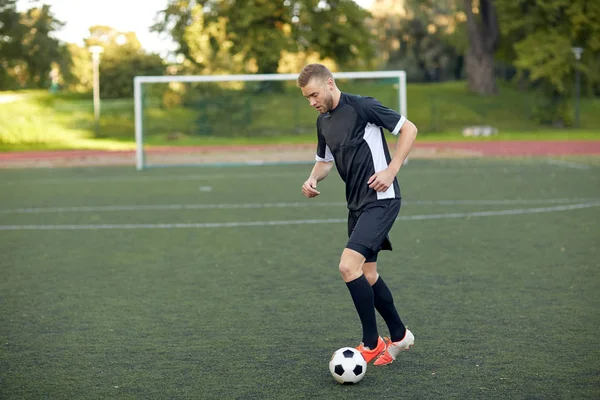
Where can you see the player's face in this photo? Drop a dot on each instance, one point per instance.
(319, 95)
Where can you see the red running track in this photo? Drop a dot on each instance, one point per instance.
(487, 148)
(520, 148)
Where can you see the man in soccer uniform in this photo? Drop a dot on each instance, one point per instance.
(350, 132)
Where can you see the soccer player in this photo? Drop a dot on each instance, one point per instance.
(350, 132)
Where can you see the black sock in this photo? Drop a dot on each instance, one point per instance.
(362, 295)
(384, 303)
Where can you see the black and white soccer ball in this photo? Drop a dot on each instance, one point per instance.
(347, 365)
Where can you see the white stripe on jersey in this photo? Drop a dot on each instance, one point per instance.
(373, 138)
(399, 125)
(328, 156)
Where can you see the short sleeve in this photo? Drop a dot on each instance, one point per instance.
(323, 151)
(380, 115)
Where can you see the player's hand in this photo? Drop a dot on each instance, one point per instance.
(381, 181)
(309, 188)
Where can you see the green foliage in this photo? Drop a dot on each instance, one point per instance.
(40, 49)
(541, 34)
(122, 59)
(251, 36)
(11, 31)
(544, 34)
(78, 77)
(28, 52)
(27, 48)
(208, 44)
(424, 38)
(117, 72)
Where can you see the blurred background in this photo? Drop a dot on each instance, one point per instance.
(520, 67)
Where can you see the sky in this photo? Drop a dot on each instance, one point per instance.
(122, 15)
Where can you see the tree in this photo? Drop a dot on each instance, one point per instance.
(11, 32)
(77, 75)
(27, 48)
(484, 34)
(388, 17)
(39, 48)
(208, 47)
(425, 38)
(123, 59)
(541, 34)
(255, 33)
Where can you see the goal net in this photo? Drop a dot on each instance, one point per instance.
(221, 119)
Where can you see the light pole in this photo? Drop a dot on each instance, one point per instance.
(577, 51)
(96, 51)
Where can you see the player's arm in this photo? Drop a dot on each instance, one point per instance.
(397, 124)
(321, 170)
(318, 173)
(406, 139)
(382, 180)
(324, 163)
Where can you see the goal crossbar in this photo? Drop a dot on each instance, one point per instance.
(139, 80)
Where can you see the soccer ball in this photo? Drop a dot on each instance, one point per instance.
(347, 365)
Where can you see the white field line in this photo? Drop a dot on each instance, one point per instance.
(567, 164)
(296, 222)
(170, 207)
(471, 169)
(475, 214)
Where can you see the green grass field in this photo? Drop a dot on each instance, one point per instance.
(222, 283)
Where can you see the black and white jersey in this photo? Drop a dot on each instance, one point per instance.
(352, 136)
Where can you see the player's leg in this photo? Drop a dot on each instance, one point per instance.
(401, 338)
(384, 302)
(352, 260)
(351, 264)
(372, 229)
(361, 292)
(370, 271)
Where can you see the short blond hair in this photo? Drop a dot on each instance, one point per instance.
(313, 71)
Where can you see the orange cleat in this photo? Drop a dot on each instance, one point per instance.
(394, 348)
(369, 354)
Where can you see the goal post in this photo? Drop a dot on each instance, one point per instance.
(199, 101)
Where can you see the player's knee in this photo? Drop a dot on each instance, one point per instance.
(349, 270)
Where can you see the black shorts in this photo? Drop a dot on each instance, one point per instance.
(368, 228)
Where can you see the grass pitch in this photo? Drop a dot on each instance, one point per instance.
(193, 283)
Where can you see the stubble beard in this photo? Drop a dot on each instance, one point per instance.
(328, 104)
